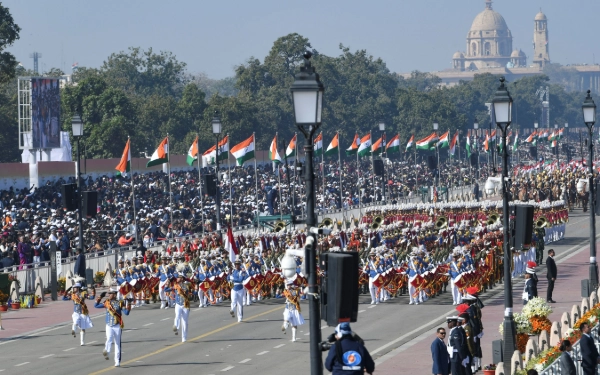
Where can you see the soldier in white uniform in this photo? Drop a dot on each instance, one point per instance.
(291, 314)
(81, 316)
(114, 322)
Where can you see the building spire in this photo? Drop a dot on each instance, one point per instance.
(488, 4)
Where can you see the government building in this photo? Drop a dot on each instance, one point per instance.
(489, 49)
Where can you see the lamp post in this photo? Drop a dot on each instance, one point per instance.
(535, 125)
(555, 139)
(216, 129)
(383, 156)
(307, 95)
(476, 127)
(567, 144)
(77, 126)
(503, 110)
(589, 117)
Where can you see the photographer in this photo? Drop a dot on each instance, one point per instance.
(348, 356)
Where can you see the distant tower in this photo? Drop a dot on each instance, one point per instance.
(35, 56)
(541, 49)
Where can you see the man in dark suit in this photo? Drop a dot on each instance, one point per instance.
(551, 275)
(439, 354)
(589, 354)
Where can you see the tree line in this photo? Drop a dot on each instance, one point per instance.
(146, 94)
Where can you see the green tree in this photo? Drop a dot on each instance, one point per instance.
(9, 33)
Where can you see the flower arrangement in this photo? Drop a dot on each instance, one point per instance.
(62, 282)
(99, 277)
(490, 367)
(522, 324)
(3, 298)
(12, 278)
(537, 307)
(539, 324)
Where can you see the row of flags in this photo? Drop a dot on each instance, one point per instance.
(360, 146)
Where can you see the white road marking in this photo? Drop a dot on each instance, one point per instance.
(92, 342)
(148, 324)
(21, 364)
(46, 356)
(306, 334)
(370, 307)
(261, 353)
(227, 368)
(162, 320)
(278, 346)
(361, 311)
(66, 350)
(245, 360)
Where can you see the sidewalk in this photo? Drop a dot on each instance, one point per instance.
(415, 356)
(47, 314)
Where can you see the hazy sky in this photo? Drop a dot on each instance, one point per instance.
(215, 36)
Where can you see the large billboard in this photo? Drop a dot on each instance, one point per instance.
(45, 113)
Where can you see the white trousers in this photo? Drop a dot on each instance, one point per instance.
(373, 291)
(236, 300)
(202, 297)
(181, 320)
(456, 297)
(113, 333)
(162, 294)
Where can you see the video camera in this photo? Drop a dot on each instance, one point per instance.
(331, 339)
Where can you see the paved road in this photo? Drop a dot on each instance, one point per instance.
(218, 344)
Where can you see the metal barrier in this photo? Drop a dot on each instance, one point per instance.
(554, 368)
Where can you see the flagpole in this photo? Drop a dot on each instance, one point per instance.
(416, 173)
(278, 179)
(200, 187)
(256, 184)
(323, 166)
(287, 172)
(372, 166)
(230, 185)
(133, 199)
(295, 176)
(340, 174)
(169, 171)
(358, 172)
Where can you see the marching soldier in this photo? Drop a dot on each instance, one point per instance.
(81, 315)
(182, 305)
(114, 322)
(237, 277)
(291, 314)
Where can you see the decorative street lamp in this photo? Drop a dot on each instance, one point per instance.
(383, 155)
(216, 129)
(589, 117)
(307, 94)
(503, 110)
(77, 127)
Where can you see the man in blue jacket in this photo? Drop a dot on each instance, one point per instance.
(348, 356)
(589, 353)
(439, 354)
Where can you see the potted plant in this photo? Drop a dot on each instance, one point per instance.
(99, 278)
(3, 300)
(15, 305)
(489, 369)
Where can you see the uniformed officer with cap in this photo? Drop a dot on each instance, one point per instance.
(114, 322)
(237, 277)
(348, 356)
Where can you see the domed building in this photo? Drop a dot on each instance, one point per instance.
(489, 42)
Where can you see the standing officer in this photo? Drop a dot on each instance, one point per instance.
(551, 275)
(455, 346)
(439, 354)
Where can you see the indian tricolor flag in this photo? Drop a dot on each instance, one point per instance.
(427, 142)
(410, 142)
(453, 144)
(242, 152)
(161, 155)
(334, 146)
(318, 145)
(486, 143)
(531, 137)
(208, 158)
(444, 140)
(290, 151)
(364, 148)
(125, 164)
(516, 143)
(393, 145)
(468, 144)
(192, 155)
(354, 146)
(376, 148)
(273, 153)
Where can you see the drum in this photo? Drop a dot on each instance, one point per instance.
(136, 285)
(460, 281)
(205, 285)
(249, 284)
(268, 277)
(125, 288)
(378, 281)
(153, 282)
